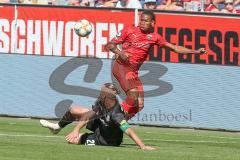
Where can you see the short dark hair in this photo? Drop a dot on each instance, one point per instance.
(150, 13)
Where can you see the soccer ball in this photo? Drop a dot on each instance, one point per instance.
(83, 28)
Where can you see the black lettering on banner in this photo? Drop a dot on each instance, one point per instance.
(159, 49)
(198, 44)
(151, 54)
(231, 35)
(182, 34)
(215, 37)
(152, 50)
(169, 33)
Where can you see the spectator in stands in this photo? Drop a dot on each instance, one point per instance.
(229, 7)
(174, 5)
(163, 4)
(44, 2)
(219, 4)
(236, 2)
(60, 2)
(4, 1)
(150, 4)
(106, 3)
(129, 4)
(99, 3)
(9, 1)
(110, 3)
(41, 2)
(192, 5)
(24, 2)
(73, 2)
(85, 3)
(237, 6)
(210, 6)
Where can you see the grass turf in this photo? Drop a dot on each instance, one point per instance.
(25, 139)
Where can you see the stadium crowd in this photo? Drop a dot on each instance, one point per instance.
(217, 6)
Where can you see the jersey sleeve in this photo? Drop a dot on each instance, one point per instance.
(161, 41)
(121, 36)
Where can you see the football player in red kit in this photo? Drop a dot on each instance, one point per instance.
(136, 42)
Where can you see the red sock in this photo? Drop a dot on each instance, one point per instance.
(129, 106)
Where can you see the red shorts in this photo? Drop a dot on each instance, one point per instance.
(128, 79)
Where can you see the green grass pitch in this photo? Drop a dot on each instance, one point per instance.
(25, 139)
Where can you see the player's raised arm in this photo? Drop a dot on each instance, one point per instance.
(73, 137)
(183, 50)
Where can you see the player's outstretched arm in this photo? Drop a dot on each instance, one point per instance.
(73, 137)
(130, 132)
(184, 50)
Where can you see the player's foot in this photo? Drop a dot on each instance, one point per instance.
(53, 127)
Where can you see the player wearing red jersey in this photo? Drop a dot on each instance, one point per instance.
(136, 42)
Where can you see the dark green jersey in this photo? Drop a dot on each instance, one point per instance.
(107, 124)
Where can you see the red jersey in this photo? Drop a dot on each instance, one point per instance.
(137, 44)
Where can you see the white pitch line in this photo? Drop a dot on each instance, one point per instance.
(163, 140)
(189, 141)
(29, 135)
(172, 134)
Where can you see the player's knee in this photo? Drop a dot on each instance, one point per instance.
(133, 93)
(141, 103)
(73, 110)
(140, 106)
(78, 111)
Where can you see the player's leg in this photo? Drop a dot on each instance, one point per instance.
(132, 86)
(78, 111)
(130, 104)
(120, 72)
(53, 127)
(74, 113)
(134, 102)
(140, 96)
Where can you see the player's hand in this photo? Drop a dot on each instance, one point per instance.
(123, 56)
(148, 148)
(202, 51)
(73, 137)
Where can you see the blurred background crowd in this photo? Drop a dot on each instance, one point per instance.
(217, 6)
